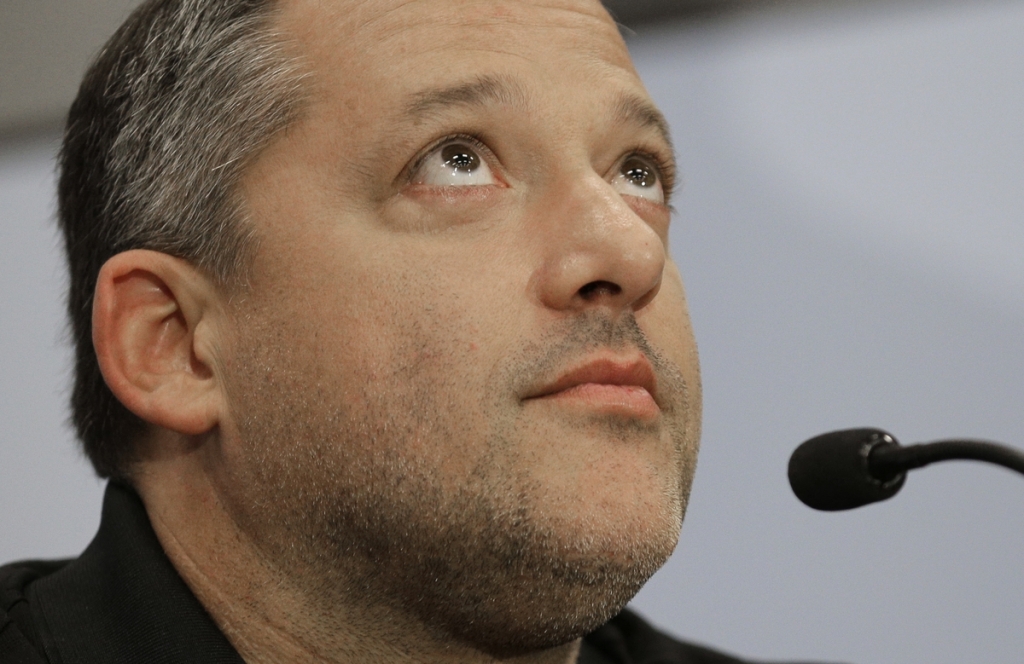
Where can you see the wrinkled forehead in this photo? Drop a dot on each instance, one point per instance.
(392, 39)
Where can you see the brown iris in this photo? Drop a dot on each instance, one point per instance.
(460, 157)
(639, 172)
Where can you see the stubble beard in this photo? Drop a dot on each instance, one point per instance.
(354, 507)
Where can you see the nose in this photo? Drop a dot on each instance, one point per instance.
(598, 252)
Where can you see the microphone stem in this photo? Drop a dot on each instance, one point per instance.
(888, 461)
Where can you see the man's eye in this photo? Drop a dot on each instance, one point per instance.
(453, 164)
(638, 176)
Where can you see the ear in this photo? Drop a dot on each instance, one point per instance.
(155, 322)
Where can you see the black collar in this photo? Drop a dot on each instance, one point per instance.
(123, 601)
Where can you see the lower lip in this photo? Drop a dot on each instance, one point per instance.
(626, 400)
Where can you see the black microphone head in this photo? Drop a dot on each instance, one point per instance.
(830, 472)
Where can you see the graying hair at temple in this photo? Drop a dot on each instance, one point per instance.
(177, 103)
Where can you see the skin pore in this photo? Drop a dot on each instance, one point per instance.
(453, 416)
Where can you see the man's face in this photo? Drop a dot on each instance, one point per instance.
(464, 385)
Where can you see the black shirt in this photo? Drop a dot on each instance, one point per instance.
(122, 601)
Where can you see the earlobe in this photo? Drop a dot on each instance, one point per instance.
(153, 316)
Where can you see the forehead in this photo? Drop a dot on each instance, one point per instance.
(393, 23)
(391, 46)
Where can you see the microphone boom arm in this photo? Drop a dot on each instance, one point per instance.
(890, 460)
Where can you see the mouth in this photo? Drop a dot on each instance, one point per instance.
(624, 386)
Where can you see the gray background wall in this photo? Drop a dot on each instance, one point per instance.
(851, 233)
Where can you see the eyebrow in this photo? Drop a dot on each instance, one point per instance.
(634, 109)
(630, 108)
(478, 92)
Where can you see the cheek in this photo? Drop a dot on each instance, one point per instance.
(406, 349)
(667, 324)
(361, 389)
(666, 321)
(444, 312)
(407, 335)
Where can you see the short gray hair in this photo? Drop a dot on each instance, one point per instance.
(176, 105)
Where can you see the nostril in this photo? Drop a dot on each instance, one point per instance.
(598, 288)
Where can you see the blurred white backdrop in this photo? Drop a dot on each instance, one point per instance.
(851, 230)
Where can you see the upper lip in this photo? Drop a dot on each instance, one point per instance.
(636, 371)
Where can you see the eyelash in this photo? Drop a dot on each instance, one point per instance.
(666, 170)
(473, 140)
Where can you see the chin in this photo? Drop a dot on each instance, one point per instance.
(558, 582)
(528, 618)
(554, 555)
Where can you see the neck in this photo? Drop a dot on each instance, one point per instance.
(269, 615)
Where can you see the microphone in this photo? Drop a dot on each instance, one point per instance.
(854, 467)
